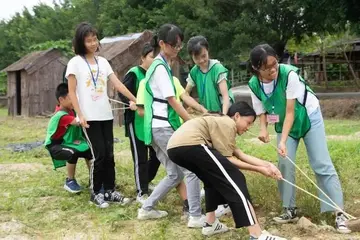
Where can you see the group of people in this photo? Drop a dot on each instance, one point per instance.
(191, 149)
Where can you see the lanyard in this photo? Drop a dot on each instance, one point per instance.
(166, 63)
(92, 75)
(204, 83)
(267, 95)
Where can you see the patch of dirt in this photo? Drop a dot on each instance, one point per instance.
(21, 167)
(340, 108)
(11, 227)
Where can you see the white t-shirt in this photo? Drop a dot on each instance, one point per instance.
(93, 101)
(162, 88)
(295, 90)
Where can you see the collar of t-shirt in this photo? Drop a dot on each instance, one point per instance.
(163, 59)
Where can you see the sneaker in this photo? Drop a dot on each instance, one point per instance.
(216, 228)
(98, 200)
(202, 193)
(288, 216)
(116, 197)
(152, 214)
(266, 236)
(222, 210)
(340, 223)
(196, 222)
(72, 186)
(141, 198)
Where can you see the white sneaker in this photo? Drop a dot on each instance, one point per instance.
(340, 224)
(202, 193)
(196, 222)
(222, 210)
(267, 236)
(152, 214)
(141, 199)
(216, 228)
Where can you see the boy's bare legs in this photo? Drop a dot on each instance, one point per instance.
(70, 170)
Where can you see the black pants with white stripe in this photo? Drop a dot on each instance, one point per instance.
(223, 182)
(146, 163)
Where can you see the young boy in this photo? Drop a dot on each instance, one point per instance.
(64, 139)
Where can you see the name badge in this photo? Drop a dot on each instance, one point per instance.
(272, 118)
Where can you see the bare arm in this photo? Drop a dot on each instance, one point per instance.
(140, 111)
(264, 134)
(120, 87)
(189, 101)
(289, 119)
(243, 165)
(72, 84)
(225, 96)
(188, 88)
(179, 109)
(250, 159)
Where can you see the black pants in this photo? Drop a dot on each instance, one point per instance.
(102, 170)
(71, 155)
(146, 163)
(223, 182)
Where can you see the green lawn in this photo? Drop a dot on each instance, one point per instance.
(33, 203)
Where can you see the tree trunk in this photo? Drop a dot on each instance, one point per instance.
(352, 71)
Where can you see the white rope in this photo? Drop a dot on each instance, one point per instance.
(288, 158)
(121, 108)
(92, 160)
(340, 210)
(117, 101)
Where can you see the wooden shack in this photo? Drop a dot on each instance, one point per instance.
(32, 81)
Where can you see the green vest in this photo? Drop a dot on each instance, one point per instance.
(207, 86)
(73, 133)
(139, 121)
(173, 118)
(277, 100)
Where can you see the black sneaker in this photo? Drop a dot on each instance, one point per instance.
(115, 197)
(288, 216)
(98, 200)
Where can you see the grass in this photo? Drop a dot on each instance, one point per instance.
(33, 203)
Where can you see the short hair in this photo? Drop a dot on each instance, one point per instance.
(167, 33)
(82, 31)
(62, 90)
(195, 44)
(147, 48)
(243, 108)
(259, 55)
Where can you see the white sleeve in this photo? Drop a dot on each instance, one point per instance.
(163, 82)
(221, 77)
(257, 104)
(190, 81)
(294, 88)
(72, 68)
(108, 67)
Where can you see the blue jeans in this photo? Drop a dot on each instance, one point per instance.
(320, 162)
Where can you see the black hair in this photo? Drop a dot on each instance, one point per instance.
(195, 44)
(62, 90)
(243, 108)
(168, 33)
(147, 48)
(259, 55)
(82, 31)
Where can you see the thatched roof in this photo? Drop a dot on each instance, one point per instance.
(112, 47)
(36, 60)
